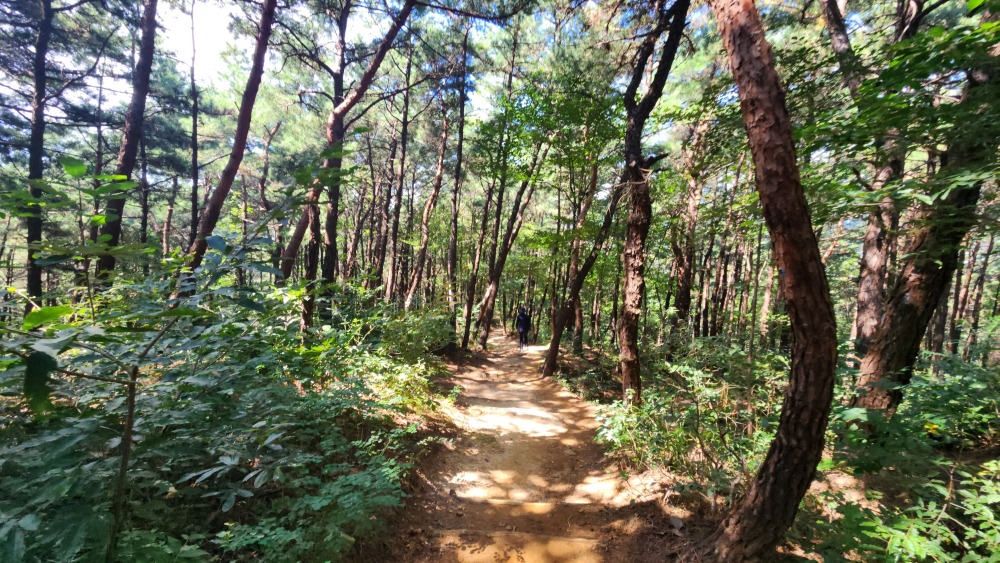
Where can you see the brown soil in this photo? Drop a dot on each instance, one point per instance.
(524, 480)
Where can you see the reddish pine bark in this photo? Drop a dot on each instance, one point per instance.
(759, 521)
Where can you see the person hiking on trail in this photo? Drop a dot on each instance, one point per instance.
(523, 324)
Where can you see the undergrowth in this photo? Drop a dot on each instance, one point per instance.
(250, 441)
(921, 491)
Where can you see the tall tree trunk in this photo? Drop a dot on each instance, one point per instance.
(418, 265)
(880, 234)
(194, 138)
(683, 243)
(977, 300)
(561, 318)
(36, 149)
(211, 213)
(962, 302)
(134, 118)
(457, 189)
(932, 259)
(759, 521)
(635, 176)
(514, 221)
(397, 204)
(470, 286)
(335, 136)
(382, 238)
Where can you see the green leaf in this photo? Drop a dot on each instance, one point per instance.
(973, 4)
(216, 243)
(38, 317)
(37, 367)
(248, 303)
(74, 167)
(53, 260)
(29, 523)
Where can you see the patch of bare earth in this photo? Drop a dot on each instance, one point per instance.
(524, 481)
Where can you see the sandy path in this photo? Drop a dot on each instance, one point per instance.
(524, 481)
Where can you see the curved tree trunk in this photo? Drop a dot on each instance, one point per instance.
(760, 520)
(933, 257)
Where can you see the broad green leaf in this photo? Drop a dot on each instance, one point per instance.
(37, 367)
(38, 317)
(973, 4)
(245, 301)
(216, 243)
(29, 523)
(52, 260)
(74, 167)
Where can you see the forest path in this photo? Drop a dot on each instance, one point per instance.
(524, 480)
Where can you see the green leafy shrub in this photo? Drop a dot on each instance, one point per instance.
(708, 416)
(250, 441)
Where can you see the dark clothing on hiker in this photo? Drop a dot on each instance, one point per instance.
(523, 324)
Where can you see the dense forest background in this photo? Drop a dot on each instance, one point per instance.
(225, 296)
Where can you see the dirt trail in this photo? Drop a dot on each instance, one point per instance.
(524, 480)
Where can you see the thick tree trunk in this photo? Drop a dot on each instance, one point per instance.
(760, 520)
(880, 233)
(36, 149)
(932, 259)
(134, 118)
(922, 283)
(211, 213)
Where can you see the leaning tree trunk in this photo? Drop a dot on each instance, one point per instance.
(933, 257)
(130, 136)
(335, 132)
(759, 521)
(503, 248)
(210, 215)
(564, 314)
(879, 236)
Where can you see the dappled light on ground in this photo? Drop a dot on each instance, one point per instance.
(524, 481)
